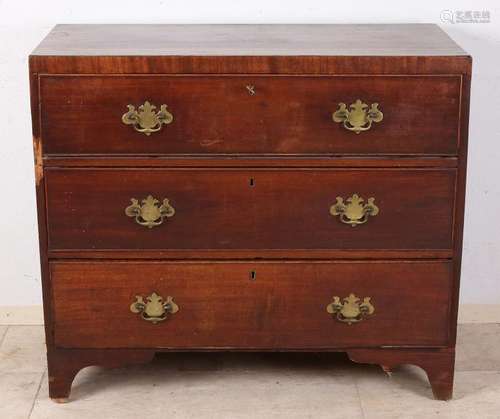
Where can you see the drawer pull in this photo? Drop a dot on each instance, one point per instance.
(351, 309)
(150, 213)
(155, 309)
(146, 120)
(358, 117)
(354, 211)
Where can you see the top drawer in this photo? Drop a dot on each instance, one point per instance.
(251, 114)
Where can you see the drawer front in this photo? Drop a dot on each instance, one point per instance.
(233, 209)
(218, 305)
(250, 114)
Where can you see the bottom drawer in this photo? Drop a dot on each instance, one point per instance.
(263, 305)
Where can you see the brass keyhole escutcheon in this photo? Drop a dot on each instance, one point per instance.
(251, 89)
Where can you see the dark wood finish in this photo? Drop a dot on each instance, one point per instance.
(368, 52)
(41, 210)
(297, 65)
(217, 115)
(64, 364)
(248, 40)
(284, 307)
(460, 202)
(271, 49)
(232, 254)
(223, 209)
(439, 365)
(250, 161)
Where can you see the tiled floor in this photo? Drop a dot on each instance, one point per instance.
(249, 385)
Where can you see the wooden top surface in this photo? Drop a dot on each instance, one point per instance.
(248, 40)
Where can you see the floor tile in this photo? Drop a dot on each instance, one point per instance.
(337, 363)
(478, 347)
(17, 393)
(407, 395)
(251, 385)
(23, 349)
(250, 389)
(3, 330)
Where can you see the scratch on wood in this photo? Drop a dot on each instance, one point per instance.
(208, 143)
(37, 150)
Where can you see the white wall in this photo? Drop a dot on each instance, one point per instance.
(24, 23)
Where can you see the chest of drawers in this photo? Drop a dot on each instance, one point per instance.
(275, 187)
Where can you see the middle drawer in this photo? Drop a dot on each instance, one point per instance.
(250, 209)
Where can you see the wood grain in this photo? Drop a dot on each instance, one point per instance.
(287, 115)
(220, 306)
(215, 160)
(439, 365)
(249, 209)
(64, 364)
(416, 167)
(255, 254)
(248, 40)
(296, 65)
(240, 49)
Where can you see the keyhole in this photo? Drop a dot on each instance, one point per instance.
(251, 89)
(251, 182)
(253, 275)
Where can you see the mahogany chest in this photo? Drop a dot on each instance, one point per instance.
(257, 188)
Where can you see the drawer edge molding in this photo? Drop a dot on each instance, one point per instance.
(261, 254)
(277, 160)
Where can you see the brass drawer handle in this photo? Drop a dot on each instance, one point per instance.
(155, 309)
(351, 309)
(150, 213)
(146, 120)
(358, 117)
(354, 211)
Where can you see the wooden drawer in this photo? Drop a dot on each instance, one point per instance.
(249, 114)
(285, 306)
(231, 209)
